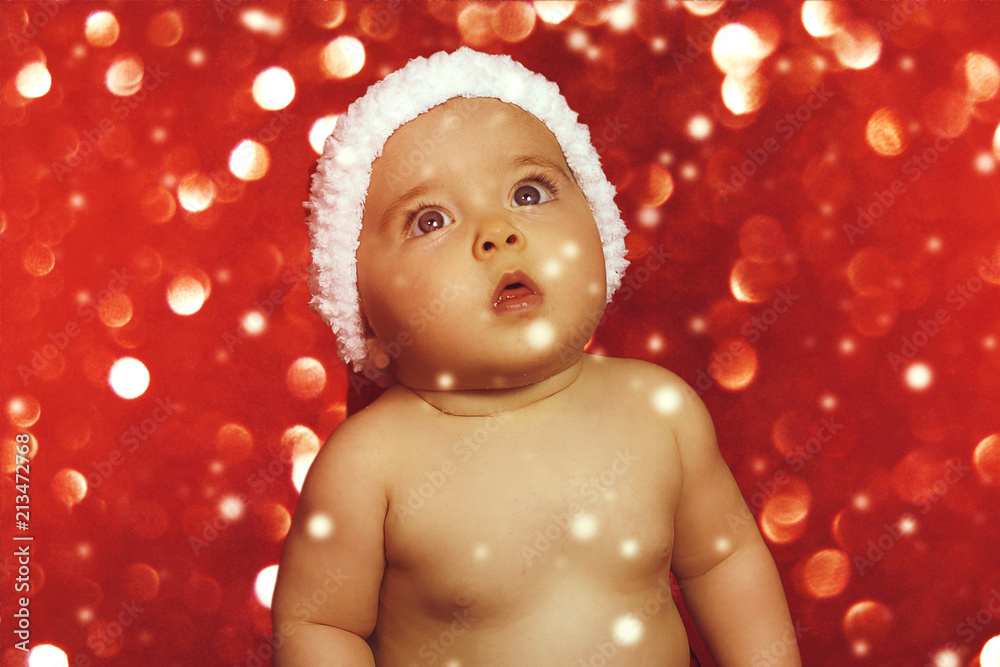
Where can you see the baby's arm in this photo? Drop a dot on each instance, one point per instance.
(728, 579)
(326, 597)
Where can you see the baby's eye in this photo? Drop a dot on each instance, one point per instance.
(530, 195)
(430, 220)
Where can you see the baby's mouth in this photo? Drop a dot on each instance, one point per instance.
(516, 292)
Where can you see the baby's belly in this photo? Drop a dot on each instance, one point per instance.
(552, 552)
(572, 622)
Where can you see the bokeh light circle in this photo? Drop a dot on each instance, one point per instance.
(124, 77)
(116, 310)
(69, 486)
(858, 45)
(142, 581)
(867, 621)
(990, 655)
(196, 192)
(514, 21)
(47, 655)
(703, 7)
(165, 29)
(554, 11)
(234, 443)
(918, 376)
(306, 378)
(320, 130)
(982, 76)
(101, 29)
(23, 411)
(273, 89)
(986, 459)
(33, 80)
(733, 364)
(343, 57)
(186, 295)
(825, 574)
(738, 49)
(824, 18)
(651, 185)
(783, 515)
(475, 24)
(742, 94)
(884, 132)
(263, 586)
(249, 161)
(782, 519)
(129, 377)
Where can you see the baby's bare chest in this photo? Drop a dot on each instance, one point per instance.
(492, 515)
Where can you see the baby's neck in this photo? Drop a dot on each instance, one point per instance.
(485, 402)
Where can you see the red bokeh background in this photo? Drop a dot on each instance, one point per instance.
(821, 178)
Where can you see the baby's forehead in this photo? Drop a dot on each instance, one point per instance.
(490, 115)
(459, 108)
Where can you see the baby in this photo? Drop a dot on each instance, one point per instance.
(509, 499)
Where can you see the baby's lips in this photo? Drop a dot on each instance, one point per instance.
(513, 284)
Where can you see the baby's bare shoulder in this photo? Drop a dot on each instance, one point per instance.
(653, 394)
(642, 379)
(365, 440)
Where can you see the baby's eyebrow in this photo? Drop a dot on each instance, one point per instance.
(401, 202)
(542, 162)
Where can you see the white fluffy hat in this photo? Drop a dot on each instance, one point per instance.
(340, 184)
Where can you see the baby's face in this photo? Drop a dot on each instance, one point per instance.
(480, 264)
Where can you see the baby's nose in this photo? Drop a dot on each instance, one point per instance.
(495, 235)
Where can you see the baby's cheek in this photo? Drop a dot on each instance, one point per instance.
(432, 306)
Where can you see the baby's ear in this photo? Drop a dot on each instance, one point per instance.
(376, 354)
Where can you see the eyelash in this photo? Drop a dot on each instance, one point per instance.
(410, 217)
(537, 177)
(544, 180)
